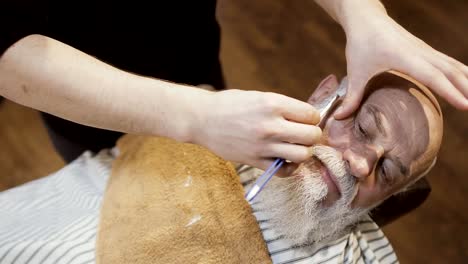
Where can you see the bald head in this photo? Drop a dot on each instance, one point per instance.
(419, 117)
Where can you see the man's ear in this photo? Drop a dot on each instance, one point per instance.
(324, 89)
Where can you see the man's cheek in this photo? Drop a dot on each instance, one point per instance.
(337, 134)
(368, 197)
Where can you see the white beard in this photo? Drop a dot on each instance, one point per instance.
(294, 206)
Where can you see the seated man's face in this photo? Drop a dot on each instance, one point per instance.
(383, 148)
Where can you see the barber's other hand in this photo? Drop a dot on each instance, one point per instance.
(254, 128)
(376, 43)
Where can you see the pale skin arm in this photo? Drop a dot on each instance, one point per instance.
(376, 43)
(52, 77)
(242, 126)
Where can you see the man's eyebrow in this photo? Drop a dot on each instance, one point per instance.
(377, 118)
(403, 169)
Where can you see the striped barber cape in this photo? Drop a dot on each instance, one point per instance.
(54, 220)
(366, 244)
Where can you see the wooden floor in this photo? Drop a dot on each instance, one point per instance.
(288, 47)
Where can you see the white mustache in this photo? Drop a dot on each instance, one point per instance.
(334, 162)
(295, 203)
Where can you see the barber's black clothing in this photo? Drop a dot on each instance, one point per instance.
(171, 40)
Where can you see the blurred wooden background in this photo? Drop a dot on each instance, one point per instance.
(288, 46)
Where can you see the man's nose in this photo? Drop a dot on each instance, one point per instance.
(363, 161)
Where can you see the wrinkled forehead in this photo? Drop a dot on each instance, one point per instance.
(402, 112)
(396, 98)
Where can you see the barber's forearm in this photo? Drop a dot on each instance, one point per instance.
(52, 77)
(347, 12)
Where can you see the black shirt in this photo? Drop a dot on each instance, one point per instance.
(172, 40)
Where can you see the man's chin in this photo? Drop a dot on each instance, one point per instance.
(302, 210)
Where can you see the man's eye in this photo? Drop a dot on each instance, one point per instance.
(384, 174)
(362, 131)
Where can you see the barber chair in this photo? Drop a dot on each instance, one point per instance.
(400, 204)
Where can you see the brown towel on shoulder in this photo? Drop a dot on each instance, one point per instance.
(170, 202)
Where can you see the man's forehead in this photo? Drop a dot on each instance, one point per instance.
(403, 116)
(401, 95)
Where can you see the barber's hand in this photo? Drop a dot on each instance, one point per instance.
(254, 128)
(376, 43)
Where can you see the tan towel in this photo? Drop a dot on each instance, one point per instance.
(168, 202)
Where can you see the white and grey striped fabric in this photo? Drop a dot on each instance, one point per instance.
(54, 220)
(366, 244)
